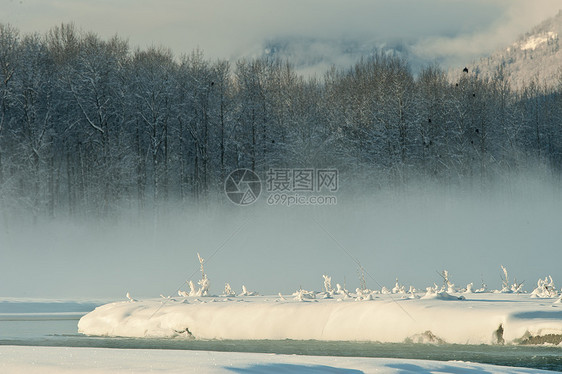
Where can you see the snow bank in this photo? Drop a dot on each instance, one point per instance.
(480, 319)
(51, 360)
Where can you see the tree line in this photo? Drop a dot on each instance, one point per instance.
(89, 126)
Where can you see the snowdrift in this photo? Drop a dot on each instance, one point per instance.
(56, 360)
(469, 319)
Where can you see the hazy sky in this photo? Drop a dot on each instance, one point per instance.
(448, 30)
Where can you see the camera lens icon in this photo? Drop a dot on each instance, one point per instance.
(242, 187)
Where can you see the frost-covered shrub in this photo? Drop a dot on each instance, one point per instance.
(204, 286)
(506, 286)
(447, 285)
(361, 274)
(192, 290)
(432, 289)
(545, 288)
(429, 291)
(412, 290)
(327, 284)
(517, 287)
(303, 295)
(363, 295)
(245, 292)
(130, 298)
(341, 290)
(483, 288)
(204, 282)
(398, 288)
(411, 294)
(228, 292)
(505, 281)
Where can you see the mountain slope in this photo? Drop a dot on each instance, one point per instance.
(534, 56)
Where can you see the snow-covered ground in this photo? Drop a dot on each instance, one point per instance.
(438, 317)
(48, 360)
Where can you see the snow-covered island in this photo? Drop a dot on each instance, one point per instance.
(439, 315)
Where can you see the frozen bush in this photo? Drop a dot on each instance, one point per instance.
(303, 295)
(327, 284)
(447, 285)
(545, 288)
(245, 292)
(398, 288)
(506, 286)
(228, 292)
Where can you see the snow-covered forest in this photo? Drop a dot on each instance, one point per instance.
(90, 126)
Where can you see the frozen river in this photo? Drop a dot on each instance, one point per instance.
(55, 324)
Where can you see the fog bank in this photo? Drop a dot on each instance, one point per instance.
(409, 234)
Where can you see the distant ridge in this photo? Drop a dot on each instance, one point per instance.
(535, 56)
